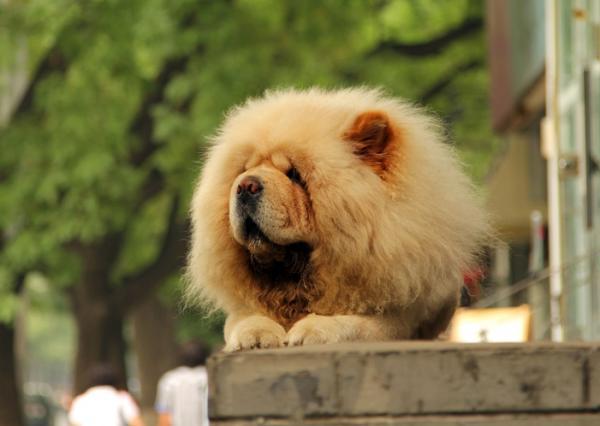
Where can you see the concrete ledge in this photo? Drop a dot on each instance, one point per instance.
(434, 381)
(454, 420)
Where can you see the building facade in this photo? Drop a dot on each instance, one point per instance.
(545, 96)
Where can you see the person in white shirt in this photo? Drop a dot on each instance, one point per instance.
(182, 395)
(102, 404)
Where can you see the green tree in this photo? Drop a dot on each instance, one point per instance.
(103, 147)
(90, 186)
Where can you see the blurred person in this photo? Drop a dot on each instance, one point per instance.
(103, 404)
(182, 396)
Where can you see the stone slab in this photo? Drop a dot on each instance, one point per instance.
(472, 420)
(405, 378)
(459, 381)
(272, 384)
(592, 380)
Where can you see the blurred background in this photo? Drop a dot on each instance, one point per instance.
(105, 107)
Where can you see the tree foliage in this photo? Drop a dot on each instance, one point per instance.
(101, 152)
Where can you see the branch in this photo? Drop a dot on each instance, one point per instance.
(152, 186)
(19, 283)
(170, 258)
(143, 123)
(430, 47)
(54, 61)
(447, 79)
(142, 127)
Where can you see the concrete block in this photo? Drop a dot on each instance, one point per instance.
(463, 379)
(564, 419)
(591, 379)
(270, 383)
(400, 379)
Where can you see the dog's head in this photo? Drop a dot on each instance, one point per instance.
(283, 203)
(347, 195)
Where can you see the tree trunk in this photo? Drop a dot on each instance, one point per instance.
(99, 341)
(10, 404)
(155, 348)
(100, 307)
(98, 316)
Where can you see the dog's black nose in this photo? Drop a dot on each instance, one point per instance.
(250, 188)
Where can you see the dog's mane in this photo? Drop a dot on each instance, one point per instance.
(285, 289)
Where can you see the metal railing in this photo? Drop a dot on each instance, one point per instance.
(535, 290)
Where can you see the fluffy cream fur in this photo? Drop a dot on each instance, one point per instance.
(388, 245)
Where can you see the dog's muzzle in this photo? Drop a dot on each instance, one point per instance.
(248, 193)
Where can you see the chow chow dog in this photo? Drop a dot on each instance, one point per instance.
(329, 216)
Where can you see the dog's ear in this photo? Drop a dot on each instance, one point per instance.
(372, 135)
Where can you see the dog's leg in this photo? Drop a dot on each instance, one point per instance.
(315, 329)
(252, 331)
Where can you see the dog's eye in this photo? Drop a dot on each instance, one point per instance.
(294, 175)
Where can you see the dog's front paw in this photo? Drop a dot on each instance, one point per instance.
(314, 330)
(255, 332)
